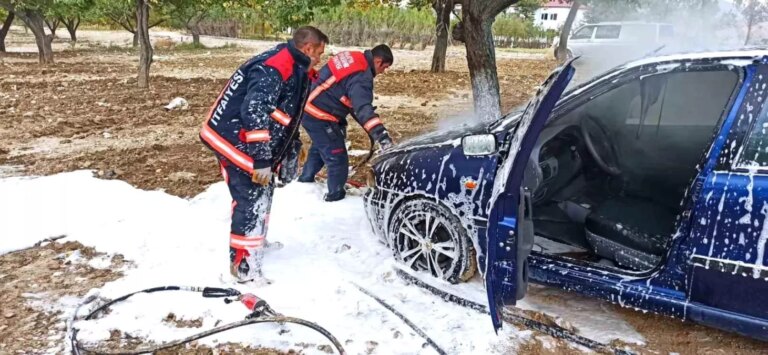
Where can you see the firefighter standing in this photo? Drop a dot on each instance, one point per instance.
(344, 86)
(253, 130)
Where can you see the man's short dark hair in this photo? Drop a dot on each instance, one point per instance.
(309, 34)
(384, 52)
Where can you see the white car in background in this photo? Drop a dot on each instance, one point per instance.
(608, 44)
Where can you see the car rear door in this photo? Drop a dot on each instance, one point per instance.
(510, 227)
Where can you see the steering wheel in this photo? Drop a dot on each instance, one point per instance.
(599, 145)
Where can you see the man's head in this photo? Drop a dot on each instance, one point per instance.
(382, 58)
(310, 41)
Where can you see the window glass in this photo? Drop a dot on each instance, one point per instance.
(553, 17)
(584, 33)
(666, 31)
(671, 102)
(608, 32)
(755, 151)
(544, 16)
(639, 32)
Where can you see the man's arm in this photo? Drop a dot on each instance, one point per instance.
(259, 103)
(359, 88)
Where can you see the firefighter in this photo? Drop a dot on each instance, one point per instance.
(253, 129)
(344, 86)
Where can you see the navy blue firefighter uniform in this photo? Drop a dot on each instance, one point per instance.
(344, 86)
(254, 124)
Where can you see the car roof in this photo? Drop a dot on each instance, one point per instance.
(740, 57)
(748, 53)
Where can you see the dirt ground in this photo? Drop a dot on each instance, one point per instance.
(85, 112)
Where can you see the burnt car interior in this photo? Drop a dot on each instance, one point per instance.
(608, 176)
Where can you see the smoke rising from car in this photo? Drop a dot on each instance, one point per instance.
(709, 27)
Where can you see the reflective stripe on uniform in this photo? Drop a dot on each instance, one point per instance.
(244, 242)
(373, 122)
(319, 114)
(281, 117)
(322, 87)
(346, 101)
(259, 135)
(226, 149)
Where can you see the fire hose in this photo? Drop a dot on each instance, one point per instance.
(261, 312)
(554, 331)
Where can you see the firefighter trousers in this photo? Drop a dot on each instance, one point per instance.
(251, 204)
(328, 149)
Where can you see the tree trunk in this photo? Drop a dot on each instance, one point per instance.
(562, 47)
(145, 49)
(4, 30)
(193, 25)
(34, 20)
(750, 24)
(53, 25)
(481, 59)
(443, 10)
(72, 24)
(135, 39)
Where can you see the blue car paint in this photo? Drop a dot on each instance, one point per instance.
(719, 291)
(507, 245)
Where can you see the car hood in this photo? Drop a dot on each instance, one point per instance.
(446, 136)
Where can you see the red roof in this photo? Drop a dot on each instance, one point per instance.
(558, 3)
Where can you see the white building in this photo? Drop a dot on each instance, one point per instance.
(552, 15)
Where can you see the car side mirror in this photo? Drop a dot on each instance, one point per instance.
(479, 144)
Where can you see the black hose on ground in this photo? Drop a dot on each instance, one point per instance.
(262, 313)
(403, 318)
(554, 331)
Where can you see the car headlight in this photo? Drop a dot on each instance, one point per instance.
(370, 177)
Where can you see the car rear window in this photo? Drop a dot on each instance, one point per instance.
(666, 32)
(608, 32)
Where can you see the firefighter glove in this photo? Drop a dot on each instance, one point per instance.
(289, 167)
(262, 176)
(385, 142)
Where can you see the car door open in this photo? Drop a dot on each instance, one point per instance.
(510, 227)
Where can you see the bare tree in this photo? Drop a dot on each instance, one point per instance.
(476, 31)
(562, 47)
(443, 10)
(145, 46)
(4, 30)
(754, 11)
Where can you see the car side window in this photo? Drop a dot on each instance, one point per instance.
(668, 100)
(608, 32)
(755, 151)
(584, 33)
(666, 32)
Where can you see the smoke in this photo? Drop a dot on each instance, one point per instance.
(696, 26)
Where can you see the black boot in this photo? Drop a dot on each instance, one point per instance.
(335, 196)
(305, 179)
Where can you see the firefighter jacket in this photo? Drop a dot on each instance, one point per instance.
(345, 86)
(256, 117)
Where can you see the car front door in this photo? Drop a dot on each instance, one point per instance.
(510, 227)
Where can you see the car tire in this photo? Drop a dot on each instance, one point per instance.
(426, 236)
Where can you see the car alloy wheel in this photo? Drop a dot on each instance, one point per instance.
(427, 237)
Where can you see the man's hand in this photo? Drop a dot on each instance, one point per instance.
(262, 176)
(386, 143)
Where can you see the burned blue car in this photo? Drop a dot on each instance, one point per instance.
(646, 186)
